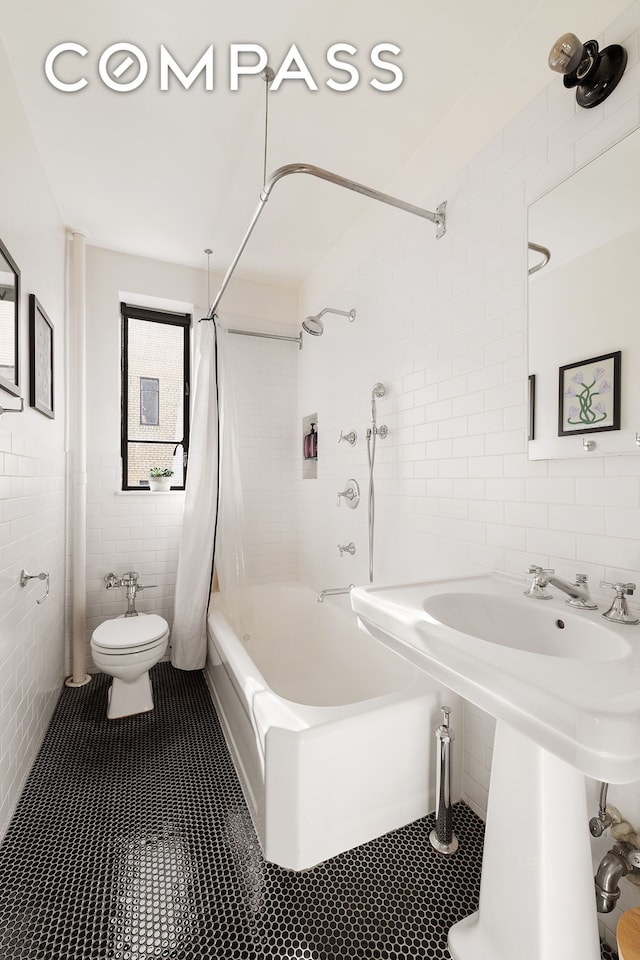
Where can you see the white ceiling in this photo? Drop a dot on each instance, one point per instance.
(166, 174)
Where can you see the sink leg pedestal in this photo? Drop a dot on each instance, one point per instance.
(537, 899)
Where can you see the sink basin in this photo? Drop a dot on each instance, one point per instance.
(527, 625)
(564, 687)
(567, 679)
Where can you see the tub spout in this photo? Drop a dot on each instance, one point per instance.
(333, 592)
(613, 867)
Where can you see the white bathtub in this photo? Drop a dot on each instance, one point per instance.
(332, 735)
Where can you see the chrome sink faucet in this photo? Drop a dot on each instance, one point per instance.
(578, 592)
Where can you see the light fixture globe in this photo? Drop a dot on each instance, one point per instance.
(567, 54)
(596, 73)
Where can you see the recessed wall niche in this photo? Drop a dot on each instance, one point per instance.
(309, 447)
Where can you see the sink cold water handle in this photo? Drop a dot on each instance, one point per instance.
(443, 838)
(619, 612)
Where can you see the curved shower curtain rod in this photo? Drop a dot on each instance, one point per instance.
(546, 256)
(439, 217)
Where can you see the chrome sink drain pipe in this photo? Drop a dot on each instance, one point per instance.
(442, 838)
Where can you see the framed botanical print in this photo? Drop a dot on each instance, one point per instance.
(41, 392)
(589, 395)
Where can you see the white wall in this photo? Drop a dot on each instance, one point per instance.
(141, 531)
(265, 377)
(32, 465)
(442, 323)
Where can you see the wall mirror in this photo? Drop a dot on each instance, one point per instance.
(583, 310)
(9, 325)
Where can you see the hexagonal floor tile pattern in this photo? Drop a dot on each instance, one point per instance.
(132, 840)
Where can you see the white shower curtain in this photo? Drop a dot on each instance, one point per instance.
(213, 525)
(188, 634)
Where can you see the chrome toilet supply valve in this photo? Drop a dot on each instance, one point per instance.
(351, 494)
(25, 577)
(130, 581)
(619, 611)
(349, 548)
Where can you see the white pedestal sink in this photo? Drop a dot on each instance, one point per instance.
(564, 687)
(537, 900)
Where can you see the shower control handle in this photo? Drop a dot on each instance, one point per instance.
(350, 437)
(349, 548)
(351, 494)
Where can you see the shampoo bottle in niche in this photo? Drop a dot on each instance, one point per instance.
(311, 444)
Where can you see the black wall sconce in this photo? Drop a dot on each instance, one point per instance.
(596, 73)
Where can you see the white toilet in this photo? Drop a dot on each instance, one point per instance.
(126, 648)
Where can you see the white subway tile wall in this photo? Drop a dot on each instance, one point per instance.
(265, 377)
(32, 516)
(442, 323)
(32, 465)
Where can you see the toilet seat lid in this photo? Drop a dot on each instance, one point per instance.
(126, 633)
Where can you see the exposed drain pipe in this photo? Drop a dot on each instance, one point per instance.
(613, 867)
(77, 406)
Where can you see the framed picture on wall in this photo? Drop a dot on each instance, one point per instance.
(9, 322)
(589, 395)
(41, 394)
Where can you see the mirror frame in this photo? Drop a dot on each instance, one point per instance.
(13, 386)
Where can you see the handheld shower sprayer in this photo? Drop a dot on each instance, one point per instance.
(377, 392)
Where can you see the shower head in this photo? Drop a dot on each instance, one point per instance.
(314, 325)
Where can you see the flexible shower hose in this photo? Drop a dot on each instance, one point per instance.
(371, 456)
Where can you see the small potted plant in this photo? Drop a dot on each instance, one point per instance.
(160, 479)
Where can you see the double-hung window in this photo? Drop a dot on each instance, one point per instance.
(155, 395)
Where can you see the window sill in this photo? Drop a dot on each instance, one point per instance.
(149, 493)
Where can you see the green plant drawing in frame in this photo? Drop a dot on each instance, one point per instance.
(589, 395)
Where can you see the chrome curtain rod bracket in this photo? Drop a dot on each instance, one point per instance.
(439, 217)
